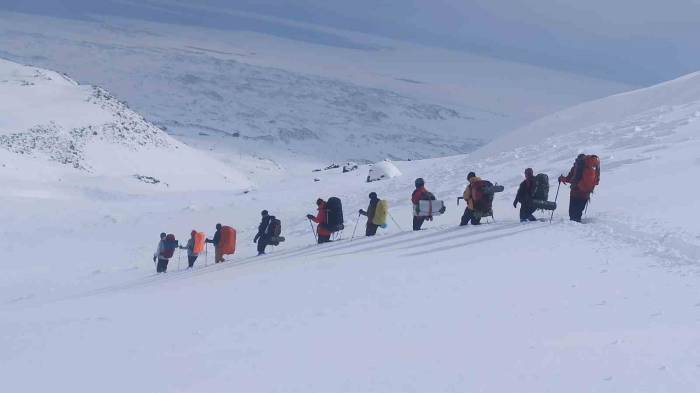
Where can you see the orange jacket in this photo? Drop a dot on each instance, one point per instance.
(575, 192)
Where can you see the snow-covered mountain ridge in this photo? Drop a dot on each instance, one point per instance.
(48, 116)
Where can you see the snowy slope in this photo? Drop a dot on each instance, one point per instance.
(233, 91)
(609, 306)
(49, 118)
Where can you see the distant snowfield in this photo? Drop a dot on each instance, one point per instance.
(609, 306)
(236, 92)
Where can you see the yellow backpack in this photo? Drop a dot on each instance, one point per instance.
(380, 213)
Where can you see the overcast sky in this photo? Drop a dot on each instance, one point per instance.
(637, 41)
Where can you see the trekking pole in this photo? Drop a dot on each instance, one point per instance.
(555, 201)
(312, 230)
(206, 254)
(179, 252)
(356, 222)
(395, 223)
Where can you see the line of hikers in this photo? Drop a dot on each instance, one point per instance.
(532, 195)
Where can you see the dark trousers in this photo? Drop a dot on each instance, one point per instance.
(526, 213)
(162, 265)
(371, 229)
(418, 222)
(191, 259)
(324, 239)
(262, 243)
(467, 217)
(576, 208)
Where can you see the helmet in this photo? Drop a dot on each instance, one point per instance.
(420, 182)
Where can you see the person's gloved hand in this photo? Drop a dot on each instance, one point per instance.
(310, 217)
(154, 258)
(361, 211)
(515, 204)
(255, 240)
(561, 179)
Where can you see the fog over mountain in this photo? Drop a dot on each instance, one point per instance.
(626, 41)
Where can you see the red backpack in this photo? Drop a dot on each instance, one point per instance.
(482, 194)
(169, 246)
(590, 175)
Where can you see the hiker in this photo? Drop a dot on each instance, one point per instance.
(165, 251)
(420, 193)
(321, 218)
(218, 255)
(191, 255)
(262, 238)
(583, 177)
(524, 197)
(469, 212)
(371, 228)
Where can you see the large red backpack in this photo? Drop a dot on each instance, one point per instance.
(482, 194)
(590, 175)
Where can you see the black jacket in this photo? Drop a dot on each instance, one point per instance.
(216, 239)
(524, 195)
(264, 224)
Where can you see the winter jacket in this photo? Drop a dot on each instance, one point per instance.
(159, 251)
(264, 225)
(216, 239)
(418, 194)
(573, 178)
(468, 192)
(190, 248)
(371, 210)
(322, 220)
(525, 191)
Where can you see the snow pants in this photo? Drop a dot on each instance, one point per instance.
(371, 229)
(576, 208)
(468, 217)
(162, 265)
(262, 243)
(218, 255)
(418, 222)
(526, 211)
(190, 260)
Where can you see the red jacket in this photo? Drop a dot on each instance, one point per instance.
(575, 192)
(322, 219)
(418, 194)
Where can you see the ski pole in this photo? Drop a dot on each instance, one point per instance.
(312, 230)
(356, 222)
(395, 223)
(206, 254)
(179, 252)
(555, 201)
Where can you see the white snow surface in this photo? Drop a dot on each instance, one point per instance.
(611, 305)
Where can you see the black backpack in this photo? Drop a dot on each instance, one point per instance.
(335, 214)
(541, 188)
(275, 227)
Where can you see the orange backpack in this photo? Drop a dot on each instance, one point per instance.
(199, 239)
(590, 176)
(227, 244)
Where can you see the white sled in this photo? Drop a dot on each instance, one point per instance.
(430, 208)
